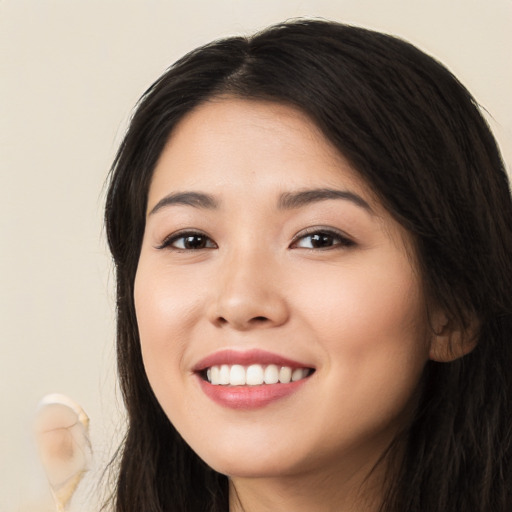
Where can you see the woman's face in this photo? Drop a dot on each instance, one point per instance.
(266, 258)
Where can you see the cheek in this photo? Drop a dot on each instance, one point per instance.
(164, 299)
(167, 311)
(361, 301)
(372, 328)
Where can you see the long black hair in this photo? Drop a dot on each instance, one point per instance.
(418, 139)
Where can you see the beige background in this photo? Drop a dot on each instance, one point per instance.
(70, 73)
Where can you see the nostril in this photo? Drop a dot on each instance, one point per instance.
(259, 319)
(242, 324)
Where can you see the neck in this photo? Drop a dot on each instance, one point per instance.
(359, 490)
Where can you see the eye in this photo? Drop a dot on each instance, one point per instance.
(188, 241)
(322, 239)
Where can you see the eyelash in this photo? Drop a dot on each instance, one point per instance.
(341, 238)
(167, 243)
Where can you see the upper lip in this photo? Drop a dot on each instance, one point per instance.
(246, 358)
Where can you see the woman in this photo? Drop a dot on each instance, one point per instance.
(312, 230)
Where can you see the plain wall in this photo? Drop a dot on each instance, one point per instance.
(71, 72)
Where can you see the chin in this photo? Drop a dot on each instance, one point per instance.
(255, 459)
(244, 468)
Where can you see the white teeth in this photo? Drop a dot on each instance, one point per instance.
(224, 375)
(271, 374)
(254, 375)
(214, 375)
(237, 375)
(285, 374)
(297, 374)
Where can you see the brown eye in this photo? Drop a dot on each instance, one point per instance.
(322, 240)
(189, 242)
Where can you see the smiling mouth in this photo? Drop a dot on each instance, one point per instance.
(253, 375)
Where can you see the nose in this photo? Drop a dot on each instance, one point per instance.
(249, 295)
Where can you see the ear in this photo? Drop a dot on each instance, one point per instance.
(450, 340)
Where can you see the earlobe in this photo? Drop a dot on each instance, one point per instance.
(450, 340)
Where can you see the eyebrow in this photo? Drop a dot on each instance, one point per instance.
(292, 200)
(287, 200)
(195, 199)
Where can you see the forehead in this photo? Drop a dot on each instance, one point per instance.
(230, 143)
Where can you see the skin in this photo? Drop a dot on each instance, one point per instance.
(352, 310)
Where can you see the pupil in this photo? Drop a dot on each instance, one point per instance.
(321, 240)
(194, 242)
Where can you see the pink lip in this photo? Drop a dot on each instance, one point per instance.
(247, 397)
(246, 358)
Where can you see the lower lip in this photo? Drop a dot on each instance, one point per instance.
(248, 397)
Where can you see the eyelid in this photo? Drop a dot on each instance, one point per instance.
(182, 233)
(346, 240)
